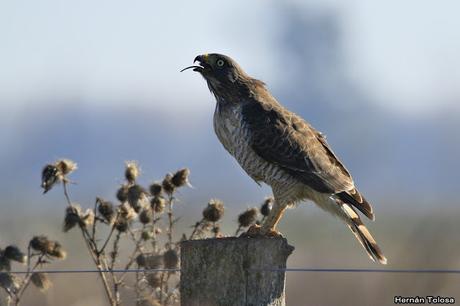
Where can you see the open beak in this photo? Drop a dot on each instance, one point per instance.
(196, 68)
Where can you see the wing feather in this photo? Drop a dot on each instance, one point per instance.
(282, 137)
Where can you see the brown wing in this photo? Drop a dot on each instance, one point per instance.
(284, 138)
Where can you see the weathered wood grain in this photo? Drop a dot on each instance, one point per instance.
(226, 271)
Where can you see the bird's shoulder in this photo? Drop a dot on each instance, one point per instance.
(283, 137)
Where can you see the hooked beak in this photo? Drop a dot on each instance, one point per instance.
(201, 61)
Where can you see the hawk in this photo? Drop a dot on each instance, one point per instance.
(279, 148)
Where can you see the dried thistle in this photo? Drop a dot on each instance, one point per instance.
(66, 166)
(41, 281)
(40, 243)
(170, 259)
(132, 171)
(158, 204)
(141, 260)
(154, 280)
(214, 211)
(87, 219)
(50, 176)
(267, 206)
(135, 195)
(47, 247)
(180, 178)
(156, 189)
(126, 212)
(5, 263)
(106, 210)
(122, 193)
(12, 252)
(248, 217)
(147, 235)
(168, 185)
(72, 217)
(146, 216)
(55, 250)
(9, 282)
(121, 225)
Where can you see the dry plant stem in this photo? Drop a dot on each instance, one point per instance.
(25, 283)
(137, 249)
(101, 250)
(214, 229)
(113, 257)
(92, 249)
(195, 229)
(238, 230)
(170, 219)
(137, 288)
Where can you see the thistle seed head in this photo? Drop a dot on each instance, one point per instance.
(87, 218)
(121, 225)
(168, 185)
(135, 194)
(72, 217)
(12, 252)
(156, 189)
(141, 260)
(248, 217)
(267, 206)
(126, 212)
(106, 210)
(5, 263)
(66, 166)
(41, 281)
(214, 211)
(47, 247)
(132, 171)
(122, 193)
(50, 176)
(146, 216)
(170, 259)
(55, 250)
(40, 244)
(180, 178)
(146, 235)
(158, 204)
(9, 282)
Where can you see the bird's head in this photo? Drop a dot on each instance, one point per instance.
(222, 73)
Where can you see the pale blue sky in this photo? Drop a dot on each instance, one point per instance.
(402, 53)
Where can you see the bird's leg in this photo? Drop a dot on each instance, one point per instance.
(269, 226)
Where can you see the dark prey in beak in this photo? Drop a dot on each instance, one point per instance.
(195, 67)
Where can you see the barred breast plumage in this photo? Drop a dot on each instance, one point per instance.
(235, 136)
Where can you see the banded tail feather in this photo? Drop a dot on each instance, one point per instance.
(362, 234)
(355, 198)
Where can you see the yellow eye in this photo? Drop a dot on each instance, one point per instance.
(220, 62)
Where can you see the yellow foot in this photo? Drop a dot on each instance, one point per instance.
(256, 231)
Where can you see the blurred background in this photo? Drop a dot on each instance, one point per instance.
(99, 82)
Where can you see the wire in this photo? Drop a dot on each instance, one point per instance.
(94, 271)
(325, 270)
(432, 271)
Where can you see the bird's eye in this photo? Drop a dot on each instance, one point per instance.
(220, 62)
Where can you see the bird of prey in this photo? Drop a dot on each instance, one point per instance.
(279, 148)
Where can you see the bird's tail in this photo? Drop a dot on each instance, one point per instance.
(362, 233)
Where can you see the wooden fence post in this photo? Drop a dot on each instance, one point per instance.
(229, 271)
